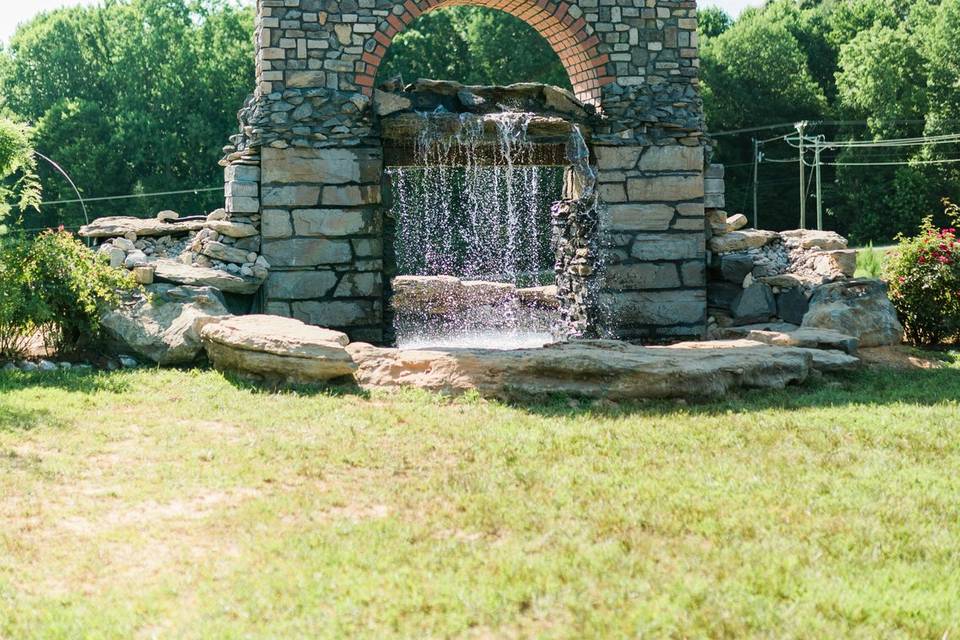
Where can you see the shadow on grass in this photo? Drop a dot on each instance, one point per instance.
(14, 419)
(78, 381)
(338, 388)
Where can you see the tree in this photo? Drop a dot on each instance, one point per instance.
(473, 45)
(134, 96)
(756, 73)
(713, 21)
(19, 185)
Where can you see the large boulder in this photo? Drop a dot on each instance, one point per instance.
(276, 349)
(860, 308)
(592, 369)
(164, 325)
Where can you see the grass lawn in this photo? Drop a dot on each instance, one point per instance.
(179, 504)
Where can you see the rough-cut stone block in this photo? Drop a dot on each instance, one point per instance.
(714, 201)
(306, 79)
(364, 284)
(320, 166)
(612, 192)
(275, 223)
(332, 222)
(242, 205)
(642, 276)
(338, 313)
(617, 158)
(665, 188)
(714, 171)
(293, 196)
(722, 295)
(306, 252)
(672, 157)
(299, 285)
(667, 246)
(694, 273)
(638, 217)
(241, 173)
(234, 189)
(657, 308)
(350, 196)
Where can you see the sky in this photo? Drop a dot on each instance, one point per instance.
(13, 12)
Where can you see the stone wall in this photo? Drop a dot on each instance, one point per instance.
(312, 127)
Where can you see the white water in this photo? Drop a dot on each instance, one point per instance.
(475, 222)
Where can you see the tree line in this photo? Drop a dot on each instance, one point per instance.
(138, 96)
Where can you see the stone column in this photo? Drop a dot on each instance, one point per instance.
(653, 226)
(322, 234)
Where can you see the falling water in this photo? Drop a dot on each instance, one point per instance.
(475, 221)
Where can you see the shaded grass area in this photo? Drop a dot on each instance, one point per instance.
(179, 504)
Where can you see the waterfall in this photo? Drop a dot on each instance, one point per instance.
(457, 214)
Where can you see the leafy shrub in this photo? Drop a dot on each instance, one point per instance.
(924, 276)
(54, 284)
(19, 305)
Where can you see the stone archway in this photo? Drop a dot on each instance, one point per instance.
(561, 24)
(309, 158)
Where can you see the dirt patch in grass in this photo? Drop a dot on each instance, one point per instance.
(905, 357)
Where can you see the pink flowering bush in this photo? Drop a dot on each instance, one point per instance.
(924, 277)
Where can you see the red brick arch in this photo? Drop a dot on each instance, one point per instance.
(570, 37)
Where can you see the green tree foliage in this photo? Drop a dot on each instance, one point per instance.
(475, 46)
(19, 185)
(893, 64)
(758, 62)
(713, 21)
(134, 96)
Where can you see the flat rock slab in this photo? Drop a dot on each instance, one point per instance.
(804, 337)
(172, 271)
(592, 369)
(117, 226)
(742, 240)
(276, 349)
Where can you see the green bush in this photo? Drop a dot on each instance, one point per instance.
(924, 276)
(55, 285)
(18, 179)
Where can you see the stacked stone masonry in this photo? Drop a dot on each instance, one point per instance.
(312, 131)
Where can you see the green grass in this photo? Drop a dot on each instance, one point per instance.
(182, 505)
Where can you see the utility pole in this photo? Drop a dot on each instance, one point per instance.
(756, 179)
(801, 128)
(816, 155)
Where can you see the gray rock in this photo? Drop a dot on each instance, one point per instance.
(165, 325)
(8, 367)
(27, 366)
(733, 267)
(859, 308)
(225, 253)
(46, 365)
(795, 337)
(755, 304)
(792, 305)
(722, 295)
(827, 361)
(178, 273)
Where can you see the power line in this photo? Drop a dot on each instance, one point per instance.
(890, 164)
(135, 195)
